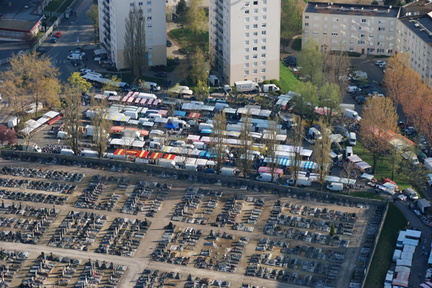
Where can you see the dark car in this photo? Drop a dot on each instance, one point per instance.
(341, 130)
(168, 43)
(161, 74)
(290, 61)
(40, 51)
(183, 51)
(360, 100)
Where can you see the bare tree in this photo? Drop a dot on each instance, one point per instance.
(7, 135)
(93, 14)
(101, 126)
(297, 141)
(218, 139)
(271, 145)
(322, 151)
(135, 46)
(245, 147)
(379, 119)
(72, 117)
(30, 80)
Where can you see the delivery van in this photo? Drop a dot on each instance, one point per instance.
(351, 114)
(411, 193)
(167, 163)
(301, 181)
(228, 171)
(267, 177)
(334, 186)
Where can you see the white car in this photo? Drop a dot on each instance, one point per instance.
(85, 71)
(380, 63)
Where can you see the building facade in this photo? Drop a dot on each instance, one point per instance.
(414, 37)
(244, 39)
(365, 29)
(112, 30)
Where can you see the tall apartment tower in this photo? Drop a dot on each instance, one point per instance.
(244, 39)
(112, 30)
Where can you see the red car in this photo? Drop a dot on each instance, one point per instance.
(58, 34)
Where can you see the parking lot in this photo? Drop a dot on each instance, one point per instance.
(158, 225)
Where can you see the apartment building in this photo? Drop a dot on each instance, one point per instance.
(365, 29)
(112, 30)
(244, 39)
(414, 37)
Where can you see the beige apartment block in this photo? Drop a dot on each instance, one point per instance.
(245, 39)
(365, 29)
(112, 30)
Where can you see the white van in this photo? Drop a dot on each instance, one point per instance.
(167, 163)
(65, 151)
(228, 171)
(348, 113)
(199, 145)
(191, 167)
(314, 133)
(348, 151)
(352, 140)
(110, 93)
(267, 177)
(89, 153)
(334, 186)
(411, 193)
(301, 181)
(353, 88)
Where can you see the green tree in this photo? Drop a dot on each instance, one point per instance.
(199, 67)
(332, 230)
(180, 15)
(291, 18)
(93, 15)
(305, 104)
(329, 97)
(77, 81)
(135, 46)
(197, 21)
(310, 59)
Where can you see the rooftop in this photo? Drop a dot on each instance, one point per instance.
(421, 26)
(419, 8)
(17, 11)
(352, 9)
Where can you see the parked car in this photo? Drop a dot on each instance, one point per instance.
(380, 62)
(168, 43)
(161, 74)
(40, 51)
(58, 34)
(360, 100)
(54, 40)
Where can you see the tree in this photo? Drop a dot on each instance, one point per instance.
(196, 21)
(329, 97)
(311, 60)
(335, 65)
(245, 145)
(291, 18)
(199, 67)
(7, 135)
(72, 115)
(271, 144)
(202, 90)
(135, 46)
(180, 15)
(93, 15)
(78, 82)
(112, 85)
(30, 79)
(218, 139)
(322, 151)
(332, 229)
(101, 126)
(305, 104)
(379, 119)
(297, 142)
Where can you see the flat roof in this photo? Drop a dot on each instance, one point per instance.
(421, 26)
(18, 15)
(352, 9)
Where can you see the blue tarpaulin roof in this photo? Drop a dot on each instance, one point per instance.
(179, 113)
(206, 131)
(171, 125)
(284, 161)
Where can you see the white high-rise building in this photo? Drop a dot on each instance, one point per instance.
(245, 39)
(112, 30)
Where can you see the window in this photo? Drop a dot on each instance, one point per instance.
(380, 50)
(246, 65)
(334, 33)
(263, 48)
(263, 55)
(149, 10)
(149, 18)
(255, 2)
(381, 28)
(255, 41)
(263, 32)
(149, 2)
(246, 27)
(132, 4)
(255, 26)
(306, 24)
(263, 25)
(263, 40)
(363, 20)
(246, 19)
(247, 4)
(264, 1)
(246, 42)
(361, 42)
(255, 64)
(390, 51)
(150, 48)
(254, 71)
(263, 70)
(255, 48)
(264, 17)
(263, 63)
(264, 9)
(140, 3)
(247, 34)
(255, 56)
(306, 17)
(255, 33)
(149, 26)
(246, 50)
(246, 11)
(246, 72)
(255, 18)
(255, 11)
(361, 35)
(246, 57)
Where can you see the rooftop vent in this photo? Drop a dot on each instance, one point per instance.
(416, 25)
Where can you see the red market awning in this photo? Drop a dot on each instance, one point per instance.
(116, 129)
(194, 115)
(169, 156)
(143, 101)
(143, 154)
(132, 152)
(120, 152)
(156, 155)
(53, 120)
